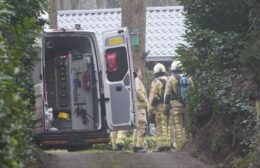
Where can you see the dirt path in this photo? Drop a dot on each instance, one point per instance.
(109, 159)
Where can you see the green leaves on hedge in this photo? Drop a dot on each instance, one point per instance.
(222, 56)
(19, 27)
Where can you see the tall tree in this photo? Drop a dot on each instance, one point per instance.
(80, 4)
(134, 17)
(53, 14)
(74, 4)
(64, 4)
(61, 5)
(101, 4)
(114, 3)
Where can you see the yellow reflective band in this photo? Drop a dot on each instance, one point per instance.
(115, 41)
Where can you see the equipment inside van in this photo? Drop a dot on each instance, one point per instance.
(86, 90)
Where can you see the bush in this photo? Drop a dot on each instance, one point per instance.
(19, 26)
(224, 64)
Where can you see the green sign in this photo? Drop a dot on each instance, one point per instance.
(135, 40)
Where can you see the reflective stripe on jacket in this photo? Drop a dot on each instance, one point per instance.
(141, 94)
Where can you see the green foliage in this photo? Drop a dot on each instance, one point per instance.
(19, 27)
(224, 65)
(150, 141)
(245, 162)
(232, 14)
(250, 57)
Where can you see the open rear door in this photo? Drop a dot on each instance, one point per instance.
(119, 86)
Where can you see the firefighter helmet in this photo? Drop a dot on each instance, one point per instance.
(159, 68)
(176, 65)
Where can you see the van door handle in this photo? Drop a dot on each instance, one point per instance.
(119, 88)
(104, 99)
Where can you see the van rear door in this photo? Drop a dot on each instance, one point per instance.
(119, 86)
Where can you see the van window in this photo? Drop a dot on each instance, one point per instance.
(116, 63)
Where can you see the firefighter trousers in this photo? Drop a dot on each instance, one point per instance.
(118, 137)
(179, 131)
(163, 126)
(139, 132)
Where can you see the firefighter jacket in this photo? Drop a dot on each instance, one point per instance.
(171, 91)
(141, 94)
(156, 95)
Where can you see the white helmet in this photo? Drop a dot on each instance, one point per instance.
(176, 65)
(158, 68)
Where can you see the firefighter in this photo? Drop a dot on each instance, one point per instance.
(156, 106)
(139, 132)
(118, 139)
(175, 101)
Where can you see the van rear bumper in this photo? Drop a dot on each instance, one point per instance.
(67, 140)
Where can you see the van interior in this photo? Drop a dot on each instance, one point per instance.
(71, 83)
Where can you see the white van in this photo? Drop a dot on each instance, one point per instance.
(86, 91)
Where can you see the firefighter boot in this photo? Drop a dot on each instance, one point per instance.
(139, 149)
(162, 149)
(119, 147)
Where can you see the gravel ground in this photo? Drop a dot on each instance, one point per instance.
(110, 159)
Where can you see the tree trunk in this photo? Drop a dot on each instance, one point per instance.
(74, 4)
(53, 14)
(61, 5)
(134, 17)
(114, 3)
(102, 4)
(79, 4)
(64, 4)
